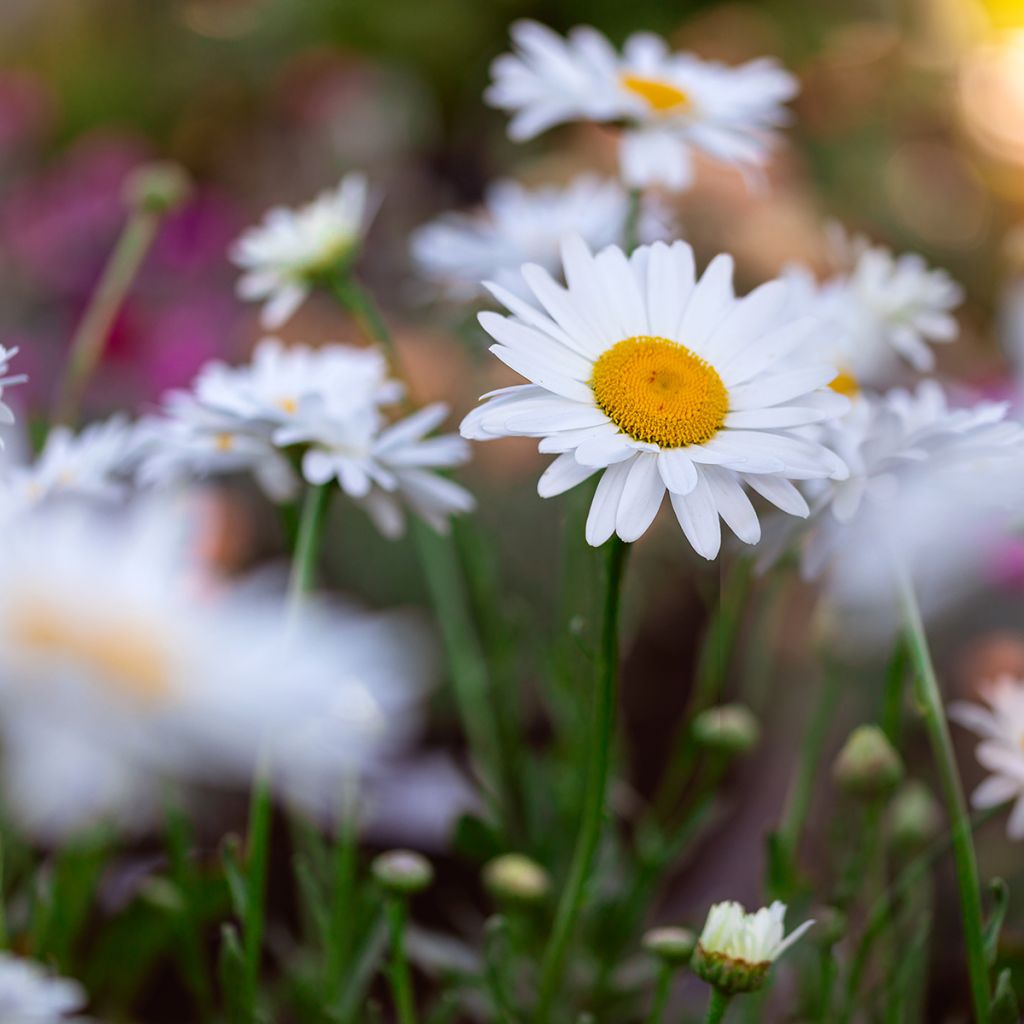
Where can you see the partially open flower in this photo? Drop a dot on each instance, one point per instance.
(736, 949)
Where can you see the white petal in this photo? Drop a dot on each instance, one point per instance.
(562, 475)
(733, 504)
(779, 387)
(641, 498)
(677, 471)
(605, 506)
(780, 492)
(698, 516)
(709, 300)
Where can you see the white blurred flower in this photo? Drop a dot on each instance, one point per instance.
(517, 225)
(89, 464)
(289, 250)
(123, 661)
(7, 380)
(1000, 725)
(664, 383)
(385, 466)
(670, 103)
(736, 948)
(882, 308)
(29, 994)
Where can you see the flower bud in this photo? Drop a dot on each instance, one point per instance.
(914, 817)
(671, 945)
(516, 878)
(727, 729)
(868, 766)
(158, 187)
(831, 925)
(402, 871)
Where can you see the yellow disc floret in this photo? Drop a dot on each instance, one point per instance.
(662, 97)
(659, 391)
(845, 383)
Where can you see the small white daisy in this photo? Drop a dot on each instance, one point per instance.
(670, 103)
(881, 309)
(30, 994)
(736, 949)
(517, 225)
(123, 660)
(7, 380)
(1000, 725)
(290, 250)
(664, 383)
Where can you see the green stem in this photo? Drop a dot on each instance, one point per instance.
(631, 229)
(401, 979)
(341, 924)
(360, 304)
(599, 757)
(661, 994)
(798, 799)
(307, 544)
(963, 843)
(90, 338)
(717, 1006)
(891, 718)
(257, 854)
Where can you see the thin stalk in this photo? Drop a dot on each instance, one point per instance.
(717, 1006)
(964, 857)
(307, 543)
(341, 925)
(602, 728)
(399, 975)
(90, 338)
(827, 974)
(891, 718)
(257, 855)
(661, 994)
(631, 229)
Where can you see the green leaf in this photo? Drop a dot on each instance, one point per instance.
(231, 858)
(1004, 1007)
(1001, 903)
(476, 840)
(231, 968)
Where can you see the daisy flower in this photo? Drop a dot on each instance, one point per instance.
(670, 103)
(999, 721)
(7, 380)
(284, 256)
(30, 994)
(517, 225)
(123, 661)
(736, 949)
(882, 309)
(662, 383)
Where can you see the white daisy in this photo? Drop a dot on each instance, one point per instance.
(123, 661)
(517, 225)
(89, 464)
(736, 949)
(1000, 725)
(881, 309)
(670, 103)
(664, 383)
(383, 466)
(30, 994)
(7, 380)
(290, 250)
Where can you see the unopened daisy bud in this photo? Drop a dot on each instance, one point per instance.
(868, 765)
(158, 187)
(162, 894)
(516, 878)
(728, 729)
(736, 949)
(402, 871)
(915, 816)
(830, 926)
(673, 946)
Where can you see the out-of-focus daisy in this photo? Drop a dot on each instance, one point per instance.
(29, 994)
(284, 255)
(518, 225)
(122, 661)
(880, 309)
(384, 466)
(7, 380)
(736, 949)
(1000, 725)
(669, 103)
(664, 383)
(89, 464)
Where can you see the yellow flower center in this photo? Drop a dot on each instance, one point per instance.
(662, 97)
(123, 654)
(845, 383)
(659, 391)
(288, 405)
(224, 442)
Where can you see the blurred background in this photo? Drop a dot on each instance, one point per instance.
(909, 127)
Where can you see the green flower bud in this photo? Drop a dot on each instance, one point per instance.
(830, 926)
(728, 729)
(158, 187)
(516, 878)
(671, 945)
(915, 816)
(868, 766)
(402, 871)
